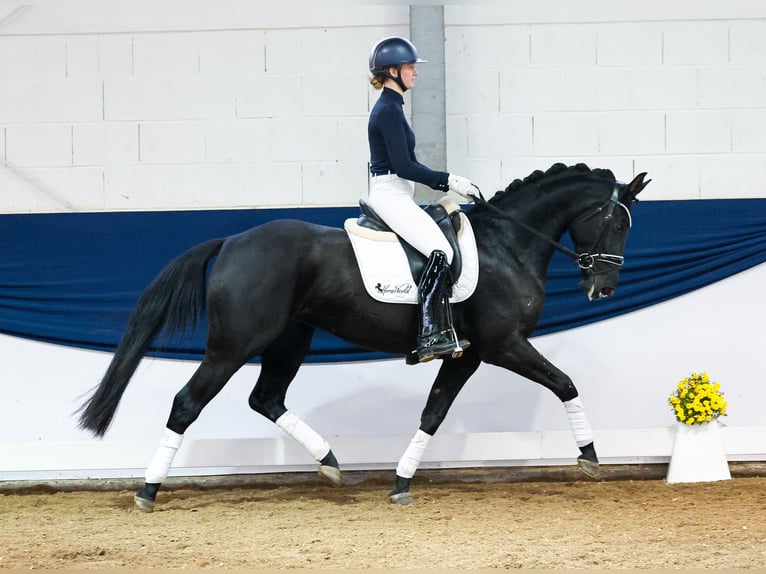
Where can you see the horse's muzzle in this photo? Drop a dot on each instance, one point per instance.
(594, 292)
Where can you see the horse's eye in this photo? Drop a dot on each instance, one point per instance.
(619, 227)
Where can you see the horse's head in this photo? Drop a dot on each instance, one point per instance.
(599, 237)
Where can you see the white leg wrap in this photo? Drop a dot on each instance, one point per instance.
(163, 458)
(411, 458)
(304, 434)
(583, 434)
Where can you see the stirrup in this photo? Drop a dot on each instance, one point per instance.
(441, 345)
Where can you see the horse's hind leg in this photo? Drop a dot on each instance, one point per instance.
(207, 381)
(280, 362)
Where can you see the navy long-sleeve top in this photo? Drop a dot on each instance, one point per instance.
(392, 143)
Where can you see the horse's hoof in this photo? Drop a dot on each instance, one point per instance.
(589, 467)
(143, 504)
(330, 474)
(403, 498)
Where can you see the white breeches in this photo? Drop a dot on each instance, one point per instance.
(392, 198)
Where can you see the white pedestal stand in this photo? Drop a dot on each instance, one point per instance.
(698, 454)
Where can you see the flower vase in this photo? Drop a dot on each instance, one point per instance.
(698, 454)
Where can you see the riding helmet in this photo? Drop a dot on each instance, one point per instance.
(392, 51)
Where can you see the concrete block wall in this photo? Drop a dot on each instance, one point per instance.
(115, 105)
(678, 91)
(185, 105)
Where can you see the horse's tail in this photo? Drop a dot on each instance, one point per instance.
(172, 303)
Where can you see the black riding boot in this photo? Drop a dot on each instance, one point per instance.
(437, 336)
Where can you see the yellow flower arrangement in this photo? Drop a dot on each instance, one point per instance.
(697, 400)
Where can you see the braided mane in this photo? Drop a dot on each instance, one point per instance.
(555, 173)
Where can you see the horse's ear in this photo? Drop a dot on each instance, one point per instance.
(631, 190)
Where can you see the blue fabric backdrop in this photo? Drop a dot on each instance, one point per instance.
(74, 278)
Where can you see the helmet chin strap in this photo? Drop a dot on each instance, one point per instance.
(397, 78)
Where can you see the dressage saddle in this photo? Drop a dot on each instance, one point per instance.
(446, 214)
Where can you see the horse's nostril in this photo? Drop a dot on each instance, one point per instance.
(607, 291)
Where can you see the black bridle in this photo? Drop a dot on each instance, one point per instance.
(586, 260)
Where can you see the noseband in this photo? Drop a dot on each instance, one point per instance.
(586, 260)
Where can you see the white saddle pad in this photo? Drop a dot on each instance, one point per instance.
(386, 271)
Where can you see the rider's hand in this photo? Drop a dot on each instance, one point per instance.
(462, 186)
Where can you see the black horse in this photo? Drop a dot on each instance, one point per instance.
(273, 285)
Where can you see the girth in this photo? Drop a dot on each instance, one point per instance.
(446, 217)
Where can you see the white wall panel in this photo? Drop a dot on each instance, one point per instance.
(136, 99)
(486, 47)
(18, 101)
(241, 141)
(268, 183)
(69, 100)
(82, 57)
(664, 88)
(23, 192)
(236, 53)
(526, 90)
(267, 96)
(81, 186)
(695, 43)
(304, 51)
(457, 137)
(748, 131)
(344, 95)
(558, 134)
(704, 131)
(732, 87)
(597, 89)
(725, 176)
(39, 145)
(476, 92)
(105, 143)
(172, 142)
(115, 55)
(166, 55)
(32, 57)
(333, 182)
(556, 46)
(748, 42)
(499, 135)
(205, 99)
(136, 187)
(193, 185)
(352, 141)
(637, 44)
(634, 134)
(291, 142)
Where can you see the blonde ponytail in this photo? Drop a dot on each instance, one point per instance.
(376, 81)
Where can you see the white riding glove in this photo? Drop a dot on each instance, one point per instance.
(462, 186)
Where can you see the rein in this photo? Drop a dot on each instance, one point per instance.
(584, 261)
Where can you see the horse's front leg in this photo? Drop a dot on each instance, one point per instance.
(452, 376)
(522, 358)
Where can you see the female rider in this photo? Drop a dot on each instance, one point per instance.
(394, 171)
